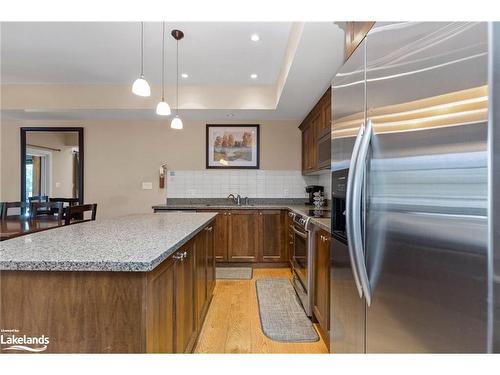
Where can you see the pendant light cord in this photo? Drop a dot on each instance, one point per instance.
(163, 63)
(177, 95)
(142, 49)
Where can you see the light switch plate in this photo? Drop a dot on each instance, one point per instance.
(147, 186)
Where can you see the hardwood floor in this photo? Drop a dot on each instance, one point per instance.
(232, 324)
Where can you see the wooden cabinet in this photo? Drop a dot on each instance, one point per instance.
(290, 238)
(201, 275)
(242, 228)
(354, 34)
(113, 312)
(210, 241)
(272, 235)
(250, 236)
(220, 235)
(160, 307)
(315, 133)
(185, 302)
(321, 296)
(205, 272)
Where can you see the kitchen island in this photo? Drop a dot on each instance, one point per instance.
(134, 284)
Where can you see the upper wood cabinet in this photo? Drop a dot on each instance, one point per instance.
(315, 127)
(354, 34)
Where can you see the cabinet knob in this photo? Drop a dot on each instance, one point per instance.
(208, 229)
(229, 213)
(184, 255)
(260, 213)
(225, 213)
(177, 257)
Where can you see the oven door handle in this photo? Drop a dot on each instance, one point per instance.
(357, 196)
(303, 235)
(349, 211)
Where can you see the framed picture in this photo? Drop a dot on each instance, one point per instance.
(233, 146)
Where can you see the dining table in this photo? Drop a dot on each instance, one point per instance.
(19, 225)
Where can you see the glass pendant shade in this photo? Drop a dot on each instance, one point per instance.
(141, 87)
(176, 123)
(163, 109)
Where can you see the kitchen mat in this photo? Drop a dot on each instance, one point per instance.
(236, 273)
(281, 315)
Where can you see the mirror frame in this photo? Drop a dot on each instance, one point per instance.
(78, 130)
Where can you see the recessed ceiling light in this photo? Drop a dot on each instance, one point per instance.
(185, 75)
(255, 37)
(230, 115)
(253, 76)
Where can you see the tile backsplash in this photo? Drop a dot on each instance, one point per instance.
(250, 183)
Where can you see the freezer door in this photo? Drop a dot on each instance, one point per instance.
(347, 308)
(426, 231)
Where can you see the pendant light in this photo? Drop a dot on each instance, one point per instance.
(163, 109)
(176, 121)
(141, 86)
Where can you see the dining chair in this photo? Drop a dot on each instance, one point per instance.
(7, 205)
(38, 198)
(45, 209)
(74, 214)
(69, 201)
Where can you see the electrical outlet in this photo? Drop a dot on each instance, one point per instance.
(147, 186)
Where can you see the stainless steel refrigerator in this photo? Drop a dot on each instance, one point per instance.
(413, 171)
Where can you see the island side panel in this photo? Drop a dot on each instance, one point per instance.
(80, 312)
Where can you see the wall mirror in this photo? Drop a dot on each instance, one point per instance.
(52, 164)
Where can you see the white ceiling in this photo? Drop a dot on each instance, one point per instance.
(109, 52)
(212, 53)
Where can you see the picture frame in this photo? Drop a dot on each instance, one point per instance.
(233, 146)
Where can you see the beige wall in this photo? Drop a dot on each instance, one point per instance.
(120, 155)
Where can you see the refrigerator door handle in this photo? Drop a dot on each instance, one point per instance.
(349, 213)
(357, 240)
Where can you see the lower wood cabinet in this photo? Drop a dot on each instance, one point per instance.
(272, 236)
(116, 312)
(185, 303)
(178, 295)
(250, 236)
(321, 297)
(242, 232)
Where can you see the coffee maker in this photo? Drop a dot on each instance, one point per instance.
(311, 189)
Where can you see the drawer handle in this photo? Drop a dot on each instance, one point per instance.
(209, 229)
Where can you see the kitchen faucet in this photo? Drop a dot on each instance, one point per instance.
(237, 199)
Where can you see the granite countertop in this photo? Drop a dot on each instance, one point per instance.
(129, 243)
(303, 209)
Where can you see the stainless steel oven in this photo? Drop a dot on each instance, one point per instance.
(302, 269)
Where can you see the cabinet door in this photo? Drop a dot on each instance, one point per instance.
(242, 236)
(326, 113)
(290, 237)
(160, 309)
(321, 299)
(305, 145)
(354, 34)
(201, 275)
(185, 323)
(210, 234)
(315, 125)
(272, 236)
(220, 237)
